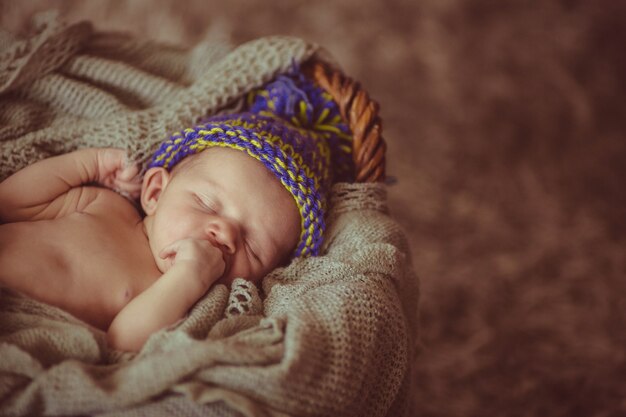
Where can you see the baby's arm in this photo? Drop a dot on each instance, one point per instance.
(197, 265)
(49, 188)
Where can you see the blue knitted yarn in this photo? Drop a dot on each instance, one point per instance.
(297, 100)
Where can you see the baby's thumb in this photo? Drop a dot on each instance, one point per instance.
(169, 250)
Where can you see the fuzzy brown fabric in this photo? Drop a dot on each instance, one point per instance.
(505, 122)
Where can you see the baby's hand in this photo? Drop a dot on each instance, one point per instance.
(115, 171)
(204, 260)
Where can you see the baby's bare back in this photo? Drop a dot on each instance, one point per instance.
(89, 263)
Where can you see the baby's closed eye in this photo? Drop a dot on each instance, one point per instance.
(206, 203)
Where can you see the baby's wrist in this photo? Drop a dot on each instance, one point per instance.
(196, 274)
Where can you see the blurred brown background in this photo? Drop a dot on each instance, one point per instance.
(505, 122)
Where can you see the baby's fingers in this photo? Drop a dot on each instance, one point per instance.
(129, 173)
(130, 188)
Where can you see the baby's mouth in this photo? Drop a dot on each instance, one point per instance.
(225, 257)
(227, 263)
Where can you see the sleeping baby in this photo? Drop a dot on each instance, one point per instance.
(236, 196)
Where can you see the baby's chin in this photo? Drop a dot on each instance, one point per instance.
(225, 280)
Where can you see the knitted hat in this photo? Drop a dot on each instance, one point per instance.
(295, 129)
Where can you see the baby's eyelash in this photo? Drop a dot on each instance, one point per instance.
(205, 205)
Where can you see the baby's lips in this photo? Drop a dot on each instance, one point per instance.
(225, 257)
(227, 264)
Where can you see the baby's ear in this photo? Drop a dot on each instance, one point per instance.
(154, 182)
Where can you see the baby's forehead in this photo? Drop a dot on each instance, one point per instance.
(234, 161)
(188, 163)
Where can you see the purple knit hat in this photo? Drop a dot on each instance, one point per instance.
(295, 129)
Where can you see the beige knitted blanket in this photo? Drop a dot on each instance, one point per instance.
(326, 336)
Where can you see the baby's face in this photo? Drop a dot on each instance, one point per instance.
(230, 199)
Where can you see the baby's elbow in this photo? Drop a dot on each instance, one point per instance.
(123, 337)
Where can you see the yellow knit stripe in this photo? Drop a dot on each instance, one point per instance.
(322, 116)
(303, 112)
(315, 135)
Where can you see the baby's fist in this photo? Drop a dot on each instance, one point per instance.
(203, 260)
(116, 172)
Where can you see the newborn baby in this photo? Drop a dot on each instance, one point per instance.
(217, 216)
(236, 196)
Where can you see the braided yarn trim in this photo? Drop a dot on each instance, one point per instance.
(244, 299)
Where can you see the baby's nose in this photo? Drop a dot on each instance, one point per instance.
(224, 234)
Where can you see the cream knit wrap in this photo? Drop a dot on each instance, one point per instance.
(333, 335)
